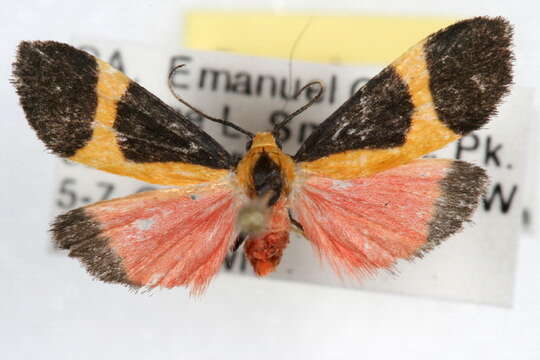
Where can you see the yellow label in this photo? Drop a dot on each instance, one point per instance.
(348, 39)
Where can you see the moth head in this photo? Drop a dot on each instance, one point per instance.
(261, 140)
(264, 139)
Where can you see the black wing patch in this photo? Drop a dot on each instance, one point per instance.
(470, 67)
(461, 191)
(56, 85)
(153, 132)
(383, 103)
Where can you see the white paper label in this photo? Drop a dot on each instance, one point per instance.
(476, 265)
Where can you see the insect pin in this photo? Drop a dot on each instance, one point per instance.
(355, 188)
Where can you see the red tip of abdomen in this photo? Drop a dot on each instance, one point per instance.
(265, 251)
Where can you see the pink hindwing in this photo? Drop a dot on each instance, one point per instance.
(163, 238)
(367, 223)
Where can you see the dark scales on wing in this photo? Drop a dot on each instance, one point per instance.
(151, 131)
(461, 190)
(470, 67)
(378, 116)
(77, 232)
(56, 86)
(267, 179)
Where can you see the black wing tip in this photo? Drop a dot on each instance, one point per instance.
(498, 28)
(461, 191)
(27, 50)
(471, 70)
(46, 47)
(19, 66)
(500, 31)
(491, 21)
(56, 86)
(30, 45)
(78, 233)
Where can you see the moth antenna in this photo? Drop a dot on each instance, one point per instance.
(211, 118)
(300, 110)
(291, 55)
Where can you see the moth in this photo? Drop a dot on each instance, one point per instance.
(355, 189)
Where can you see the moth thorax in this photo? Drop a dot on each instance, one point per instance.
(253, 217)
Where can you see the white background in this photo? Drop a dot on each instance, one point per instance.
(70, 317)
